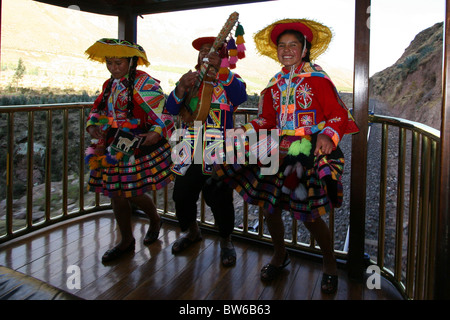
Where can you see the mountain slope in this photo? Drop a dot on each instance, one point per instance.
(412, 87)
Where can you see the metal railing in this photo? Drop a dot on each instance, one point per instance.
(44, 146)
(408, 204)
(48, 185)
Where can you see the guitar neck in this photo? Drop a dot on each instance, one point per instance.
(220, 39)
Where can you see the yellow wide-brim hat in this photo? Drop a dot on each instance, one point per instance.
(316, 33)
(108, 48)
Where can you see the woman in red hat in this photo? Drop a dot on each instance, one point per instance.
(194, 175)
(302, 103)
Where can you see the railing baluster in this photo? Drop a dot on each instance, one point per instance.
(30, 167)
(166, 199)
(202, 208)
(65, 161)
(422, 218)
(294, 231)
(383, 187)
(412, 220)
(48, 162)
(432, 222)
(261, 223)
(400, 205)
(81, 184)
(245, 217)
(9, 175)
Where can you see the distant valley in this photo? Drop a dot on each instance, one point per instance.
(51, 42)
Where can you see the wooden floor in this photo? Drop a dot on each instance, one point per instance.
(153, 272)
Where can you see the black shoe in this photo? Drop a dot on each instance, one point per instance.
(270, 271)
(228, 256)
(116, 253)
(152, 236)
(183, 243)
(329, 283)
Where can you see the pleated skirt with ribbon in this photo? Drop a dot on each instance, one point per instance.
(148, 172)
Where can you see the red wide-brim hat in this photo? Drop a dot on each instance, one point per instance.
(199, 42)
(316, 33)
(298, 26)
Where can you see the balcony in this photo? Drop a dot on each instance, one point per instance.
(55, 224)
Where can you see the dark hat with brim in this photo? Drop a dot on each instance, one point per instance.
(199, 42)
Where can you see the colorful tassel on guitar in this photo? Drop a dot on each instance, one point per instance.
(223, 71)
(241, 51)
(239, 30)
(224, 64)
(240, 41)
(231, 44)
(233, 60)
(232, 53)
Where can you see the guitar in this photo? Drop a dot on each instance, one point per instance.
(196, 108)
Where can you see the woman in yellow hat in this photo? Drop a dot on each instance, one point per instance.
(302, 103)
(130, 153)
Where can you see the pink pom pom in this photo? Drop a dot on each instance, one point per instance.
(233, 60)
(90, 150)
(241, 47)
(224, 63)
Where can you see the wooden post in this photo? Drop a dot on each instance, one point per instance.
(355, 261)
(128, 26)
(442, 280)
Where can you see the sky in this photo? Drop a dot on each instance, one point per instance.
(393, 24)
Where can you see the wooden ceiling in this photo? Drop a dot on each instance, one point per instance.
(140, 7)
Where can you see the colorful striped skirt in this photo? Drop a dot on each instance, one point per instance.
(322, 182)
(148, 172)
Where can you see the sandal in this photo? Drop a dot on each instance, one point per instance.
(329, 283)
(270, 271)
(228, 256)
(184, 243)
(116, 253)
(152, 236)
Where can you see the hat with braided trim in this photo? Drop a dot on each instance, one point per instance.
(316, 33)
(108, 48)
